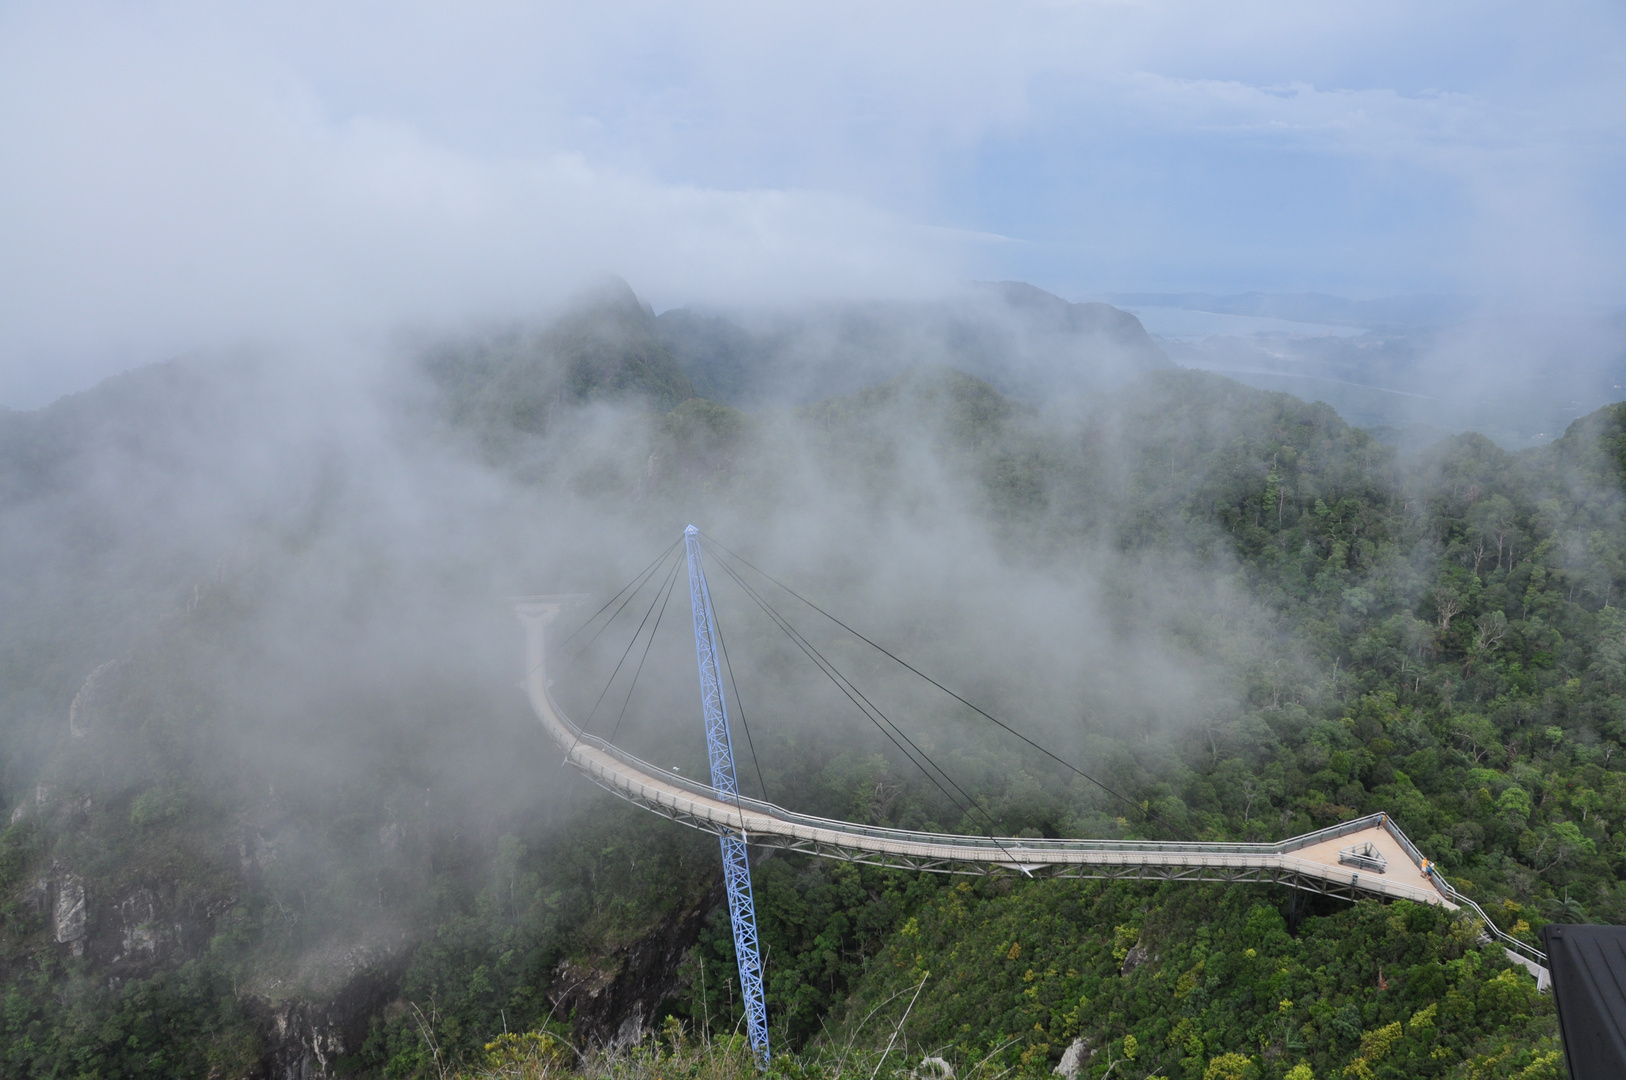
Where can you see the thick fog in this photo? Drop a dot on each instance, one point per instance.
(327, 334)
(177, 176)
(308, 560)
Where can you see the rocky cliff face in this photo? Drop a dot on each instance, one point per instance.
(132, 873)
(306, 1040)
(614, 997)
(103, 904)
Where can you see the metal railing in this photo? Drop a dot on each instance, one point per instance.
(999, 845)
(1522, 947)
(1366, 856)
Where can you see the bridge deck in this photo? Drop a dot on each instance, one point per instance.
(1307, 862)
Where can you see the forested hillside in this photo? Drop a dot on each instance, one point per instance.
(274, 806)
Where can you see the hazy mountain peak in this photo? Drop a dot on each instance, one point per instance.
(1022, 340)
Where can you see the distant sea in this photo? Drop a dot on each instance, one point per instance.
(1183, 324)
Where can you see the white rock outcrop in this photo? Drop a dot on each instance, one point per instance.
(68, 917)
(1073, 1059)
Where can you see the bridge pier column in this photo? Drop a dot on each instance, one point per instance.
(720, 749)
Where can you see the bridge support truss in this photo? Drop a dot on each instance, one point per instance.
(742, 913)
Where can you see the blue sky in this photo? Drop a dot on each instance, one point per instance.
(187, 175)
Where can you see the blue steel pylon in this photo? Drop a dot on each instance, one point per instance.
(720, 749)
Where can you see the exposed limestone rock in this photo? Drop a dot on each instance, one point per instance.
(68, 918)
(41, 799)
(614, 997)
(1138, 955)
(141, 933)
(1074, 1058)
(307, 1038)
(308, 1044)
(94, 698)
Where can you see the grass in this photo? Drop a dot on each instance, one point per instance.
(674, 1055)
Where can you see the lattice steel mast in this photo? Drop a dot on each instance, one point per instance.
(720, 749)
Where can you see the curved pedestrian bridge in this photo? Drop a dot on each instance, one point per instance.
(1368, 855)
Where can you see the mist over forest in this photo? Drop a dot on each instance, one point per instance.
(276, 809)
(1176, 440)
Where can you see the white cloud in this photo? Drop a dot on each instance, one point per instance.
(160, 196)
(178, 174)
(1381, 121)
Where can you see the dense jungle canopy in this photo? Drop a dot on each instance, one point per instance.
(268, 784)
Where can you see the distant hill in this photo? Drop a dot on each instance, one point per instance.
(604, 347)
(723, 361)
(1022, 340)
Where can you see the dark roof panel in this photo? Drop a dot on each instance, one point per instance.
(1588, 965)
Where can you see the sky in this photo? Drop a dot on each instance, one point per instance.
(179, 176)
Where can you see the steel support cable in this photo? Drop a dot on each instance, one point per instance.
(636, 585)
(739, 704)
(1145, 813)
(875, 716)
(635, 636)
(872, 713)
(671, 583)
(855, 695)
(883, 724)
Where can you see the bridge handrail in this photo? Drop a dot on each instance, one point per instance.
(1001, 844)
(1405, 843)
(1491, 928)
